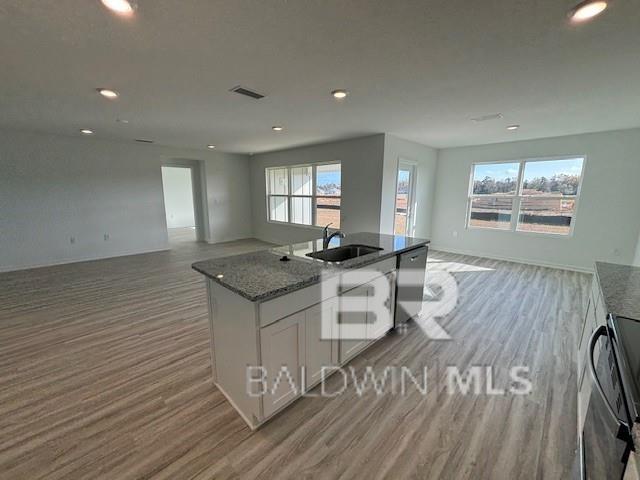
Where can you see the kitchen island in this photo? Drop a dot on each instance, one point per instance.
(282, 319)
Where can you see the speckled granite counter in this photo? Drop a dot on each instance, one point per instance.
(620, 285)
(261, 276)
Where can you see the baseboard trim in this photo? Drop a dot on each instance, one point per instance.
(219, 242)
(17, 268)
(471, 253)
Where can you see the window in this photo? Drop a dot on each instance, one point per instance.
(526, 196)
(304, 194)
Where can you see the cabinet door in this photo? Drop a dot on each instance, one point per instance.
(351, 345)
(600, 310)
(321, 349)
(587, 328)
(584, 377)
(381, 295)
(283, 355)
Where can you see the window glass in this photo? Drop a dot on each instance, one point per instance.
(301, 210)
(495, 178)
(277, 180)
(544, 201)
(549, 190)
(295, 196)
(329, 180)
(491, 212)
(328, 191)
(552, 177)
(328, 211)
(278, 210)
(301, 180)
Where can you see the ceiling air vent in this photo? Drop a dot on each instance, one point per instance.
(485, 118)
(247, 92)
(140, 140)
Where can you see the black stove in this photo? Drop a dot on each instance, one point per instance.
(626, 332)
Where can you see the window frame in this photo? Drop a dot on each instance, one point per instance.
(314, 196)
(518, 196)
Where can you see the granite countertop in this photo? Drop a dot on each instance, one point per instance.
(620, 285)
(261, 276)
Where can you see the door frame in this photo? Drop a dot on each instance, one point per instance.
(412, 166)
(199, 192)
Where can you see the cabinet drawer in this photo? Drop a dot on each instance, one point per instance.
(273, 310)
(385, 266)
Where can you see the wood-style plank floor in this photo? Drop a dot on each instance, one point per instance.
(105, 373)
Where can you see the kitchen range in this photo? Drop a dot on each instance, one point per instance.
(609, 376)
(294, 308)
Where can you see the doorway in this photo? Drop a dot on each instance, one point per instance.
(404, 223)
(179, 204)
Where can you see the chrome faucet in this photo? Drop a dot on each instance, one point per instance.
(326, 238)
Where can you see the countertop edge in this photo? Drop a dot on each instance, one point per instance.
(286, 290)
(611, 303)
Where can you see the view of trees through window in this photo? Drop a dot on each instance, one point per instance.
(544, 193)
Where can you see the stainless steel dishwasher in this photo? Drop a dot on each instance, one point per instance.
(410, 284)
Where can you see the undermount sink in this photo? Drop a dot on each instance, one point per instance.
(340, 254)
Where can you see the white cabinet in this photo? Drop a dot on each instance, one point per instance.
(353, 324)
(283, 355)
(321, 347)
(294, 352)
(382, 291)
(596, 316)
(584, 378)
(268, 354)
(295, 349)
(379, 294)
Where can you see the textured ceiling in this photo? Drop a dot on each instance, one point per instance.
(417, 69)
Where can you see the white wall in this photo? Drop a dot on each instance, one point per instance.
(362, 160)
(229, 193)
(178, 197)
(607, 224)
(425, 159)
(55, 187)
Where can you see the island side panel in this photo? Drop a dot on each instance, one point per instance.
(235, 334)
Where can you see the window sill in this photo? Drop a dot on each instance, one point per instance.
(525, 233)
(298, 225)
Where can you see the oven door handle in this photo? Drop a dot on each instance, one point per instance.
(597, 333)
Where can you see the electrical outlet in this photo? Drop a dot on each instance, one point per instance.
(72, 240)
(106, 237)
(455, 234)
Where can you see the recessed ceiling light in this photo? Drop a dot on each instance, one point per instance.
(121, 7)
(122, 120)
(105, 92)
(86, 131)
(587, 9)
(211, 147)
(277, 128)
(513, 127)
(339, 94)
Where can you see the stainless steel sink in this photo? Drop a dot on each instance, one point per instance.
(340, 254)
